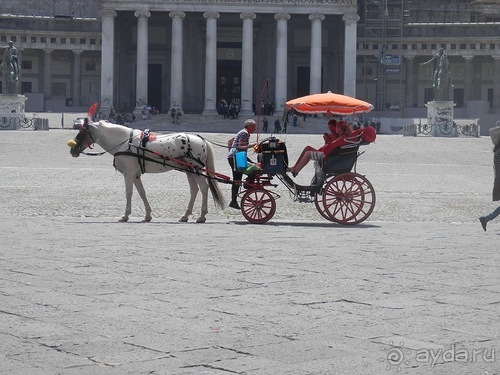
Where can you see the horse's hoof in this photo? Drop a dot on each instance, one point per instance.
(147, 219)
(123, 219)
(201, 220)
(183, 219)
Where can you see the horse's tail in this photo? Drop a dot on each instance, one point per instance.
(212, 183)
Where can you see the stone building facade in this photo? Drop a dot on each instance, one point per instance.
(194, 54)
(395, 37)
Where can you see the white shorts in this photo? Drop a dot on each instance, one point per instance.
(317, 155)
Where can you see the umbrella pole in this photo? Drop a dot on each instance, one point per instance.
(260, 107)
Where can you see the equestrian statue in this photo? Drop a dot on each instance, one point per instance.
(9, 68)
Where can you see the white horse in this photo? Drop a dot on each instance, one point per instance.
(135, 155)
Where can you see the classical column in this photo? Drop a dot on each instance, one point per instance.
(496, 83)
(107, 60)
(316, 44)
(77, 76)
(281, 61)
(176, 88)
(350, 21)
(211, 64)
(410, 80)
(47, 73)
(141, 83)
(468, 79)
(247, 64)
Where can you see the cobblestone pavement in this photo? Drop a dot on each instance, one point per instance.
(412, 290)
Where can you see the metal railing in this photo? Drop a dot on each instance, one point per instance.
(454, 130)
(21, 122)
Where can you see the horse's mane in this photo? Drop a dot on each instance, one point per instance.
(107, 134)
(109, 125)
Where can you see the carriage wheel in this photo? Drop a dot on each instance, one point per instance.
(258, 206)
(318, 202)
(349, 198)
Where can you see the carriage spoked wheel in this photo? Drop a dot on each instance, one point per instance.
(258, 205)
(318, 202)
(348, 199)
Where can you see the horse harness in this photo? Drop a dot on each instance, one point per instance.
(141, 153)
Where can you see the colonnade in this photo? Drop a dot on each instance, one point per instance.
(496, 74)
(76, 75)
(247, 67)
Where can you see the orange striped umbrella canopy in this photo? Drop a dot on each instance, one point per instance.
(330, 103)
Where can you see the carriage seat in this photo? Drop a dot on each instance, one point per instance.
(343, 158)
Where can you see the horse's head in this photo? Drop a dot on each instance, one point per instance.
(82, 140)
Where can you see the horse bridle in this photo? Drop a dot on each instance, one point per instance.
(85, 139)
(82, 140)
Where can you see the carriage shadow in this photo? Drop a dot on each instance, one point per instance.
(157, 222)
(308, 224)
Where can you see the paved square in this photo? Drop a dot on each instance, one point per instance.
(415, 289)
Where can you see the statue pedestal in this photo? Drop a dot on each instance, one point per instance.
(440, 117)
(12, 109)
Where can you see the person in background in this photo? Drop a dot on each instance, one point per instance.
(265, 124)
(495, 138)
(277, 126)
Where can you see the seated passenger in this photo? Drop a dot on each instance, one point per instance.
(330, 137)
(327, 137)
(342, 130)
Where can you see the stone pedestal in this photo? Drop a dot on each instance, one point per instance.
(440, 117)
(12, 110)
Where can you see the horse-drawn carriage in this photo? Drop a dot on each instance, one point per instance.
(339, 193)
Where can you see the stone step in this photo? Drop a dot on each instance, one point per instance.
(193, 123)
(217, 124)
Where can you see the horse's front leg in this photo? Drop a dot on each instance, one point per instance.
(142, 193)
(129, 180)
(193, 189)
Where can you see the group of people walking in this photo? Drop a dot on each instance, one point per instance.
(231, 110)
(277, 126)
